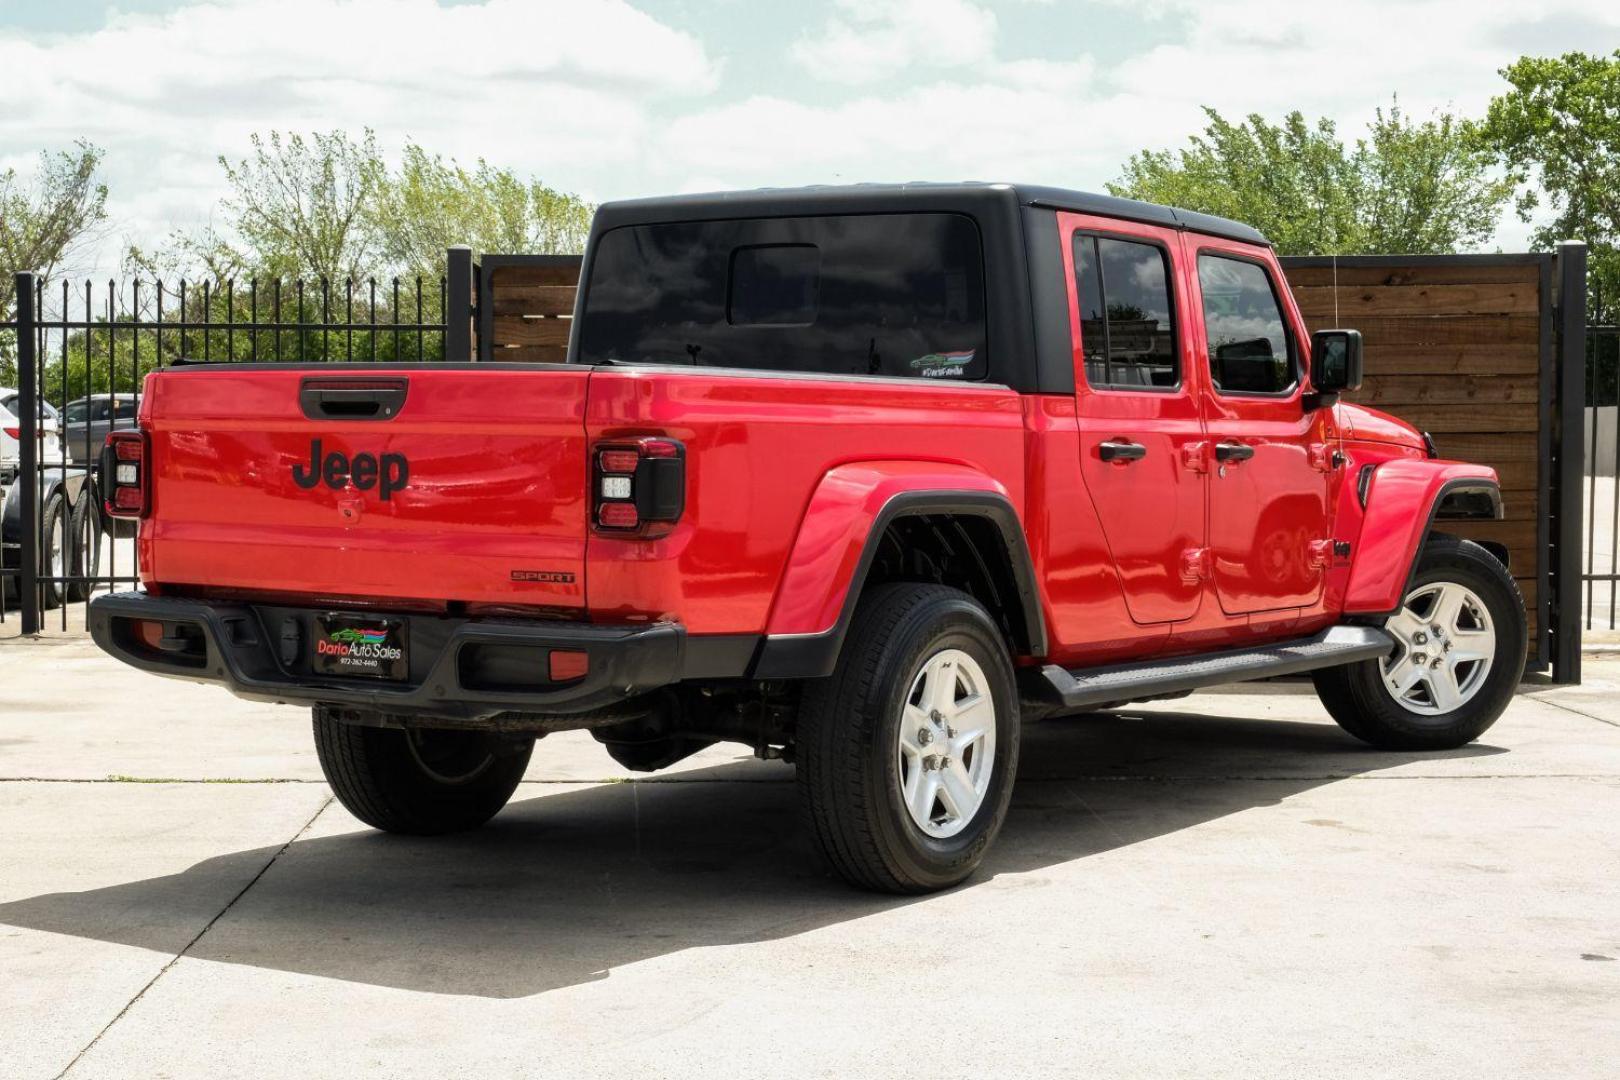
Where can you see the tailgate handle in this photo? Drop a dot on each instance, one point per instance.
(352, 399)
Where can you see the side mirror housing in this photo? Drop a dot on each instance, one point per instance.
(1335, 362)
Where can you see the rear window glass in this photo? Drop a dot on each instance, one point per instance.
(875, 294)
(775, 286)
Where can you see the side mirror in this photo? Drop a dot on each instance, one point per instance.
(1335, 361)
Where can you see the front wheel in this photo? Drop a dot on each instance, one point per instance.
(1460, 641)
(418, 780)
(906, 754)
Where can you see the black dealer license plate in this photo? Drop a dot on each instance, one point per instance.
(365, 645)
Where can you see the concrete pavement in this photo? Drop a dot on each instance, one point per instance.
(1224, 885)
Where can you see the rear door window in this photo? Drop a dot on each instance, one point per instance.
(874, 294)
(1126, 327)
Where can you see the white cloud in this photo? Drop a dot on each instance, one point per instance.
(1075, 122)
(873, 40)
(533, 85)
(599, 97)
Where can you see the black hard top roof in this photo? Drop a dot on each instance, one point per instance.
(880, 198)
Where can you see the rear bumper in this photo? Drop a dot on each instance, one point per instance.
(259, 652)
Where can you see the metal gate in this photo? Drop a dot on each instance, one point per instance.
(82, 351)
(1600, 569)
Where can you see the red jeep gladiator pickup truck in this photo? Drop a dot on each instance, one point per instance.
(860, 477)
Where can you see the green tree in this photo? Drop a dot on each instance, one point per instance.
(1406, 187)
(328, 206)
(430, 204)
(298, 207)
(45, 221)
(1558, 128)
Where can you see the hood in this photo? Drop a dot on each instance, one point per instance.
(1370, 425)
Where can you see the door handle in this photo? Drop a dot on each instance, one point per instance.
(352, 399)
(1233, 451)
(1121, 451)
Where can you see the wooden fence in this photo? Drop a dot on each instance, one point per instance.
(1469, 348)
(1477, 351)
(1453, 347)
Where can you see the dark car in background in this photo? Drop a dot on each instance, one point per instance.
(87, 420)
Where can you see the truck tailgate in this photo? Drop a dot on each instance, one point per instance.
(340, 481)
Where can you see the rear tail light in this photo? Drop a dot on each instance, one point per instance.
(640, 486)
(124, 462)
(15, 433)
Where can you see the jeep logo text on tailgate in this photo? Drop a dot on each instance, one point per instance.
(388, 474)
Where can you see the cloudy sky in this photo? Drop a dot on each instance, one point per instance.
(615, 98)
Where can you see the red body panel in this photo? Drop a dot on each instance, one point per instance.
(757, 450)
(833, 534)
(496, 485)
(1370, 425)
(1399, 504)
(1086, 617)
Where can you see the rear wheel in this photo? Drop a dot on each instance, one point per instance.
(1460, 640)
(906, 754)
(422, 781)
(55, 546)
(84, 545)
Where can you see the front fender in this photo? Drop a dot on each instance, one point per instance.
(850, 506)
(1403, 499)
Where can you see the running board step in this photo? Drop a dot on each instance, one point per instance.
(1151, 678)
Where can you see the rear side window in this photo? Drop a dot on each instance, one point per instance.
(1250, 350)
(875, 294)
(1126, 326)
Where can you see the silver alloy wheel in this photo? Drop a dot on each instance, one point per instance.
(449, 757)
(946, 745)
(1445, 644)
(58, 552)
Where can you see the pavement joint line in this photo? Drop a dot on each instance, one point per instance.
(175, 959)
(1153, 778)
(1572, 709)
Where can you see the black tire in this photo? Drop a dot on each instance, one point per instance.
(84, 551)
(849, 778)
(55, 529)
(1355, 694)
(422, 782)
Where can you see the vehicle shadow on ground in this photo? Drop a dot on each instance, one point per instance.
(564, 886)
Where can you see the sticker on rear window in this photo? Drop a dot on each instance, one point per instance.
(943, 365)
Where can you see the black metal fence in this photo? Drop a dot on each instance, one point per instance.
(79, 353)
(1600, 568)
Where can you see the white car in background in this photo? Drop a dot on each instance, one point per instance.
(50, 445)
